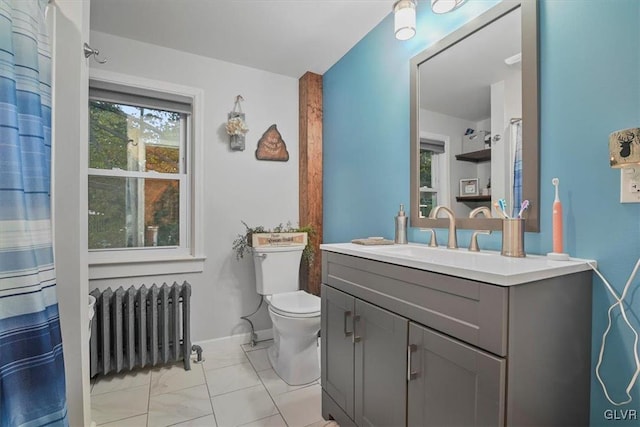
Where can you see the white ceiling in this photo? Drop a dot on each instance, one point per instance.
(286, 37)
(457, 81)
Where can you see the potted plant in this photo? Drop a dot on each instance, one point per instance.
(281, 233)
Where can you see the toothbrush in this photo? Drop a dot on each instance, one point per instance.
(503, 207)
(525, 205)
(499, 212)
(557, 220)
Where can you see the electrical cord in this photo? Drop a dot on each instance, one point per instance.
(254, 336)
(619, 302)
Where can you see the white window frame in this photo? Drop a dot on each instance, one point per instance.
(439, 170)
(146, 261)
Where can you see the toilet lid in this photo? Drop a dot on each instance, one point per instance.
(298, 302)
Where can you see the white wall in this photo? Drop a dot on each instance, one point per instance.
(484, 125)
(237, 186)
(483, 168)
(70, 115)
(500, 149)
(513, 96)
(506, 103)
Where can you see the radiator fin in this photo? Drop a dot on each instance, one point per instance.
(117, 331)
(141, 327)
(129, 328)
(175, 324)
(164, 322)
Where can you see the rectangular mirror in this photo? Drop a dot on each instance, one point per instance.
(475, 120)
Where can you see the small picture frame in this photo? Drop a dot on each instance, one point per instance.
(469, 187)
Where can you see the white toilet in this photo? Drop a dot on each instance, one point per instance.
(295, 314)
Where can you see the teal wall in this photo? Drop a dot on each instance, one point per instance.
(590, 86)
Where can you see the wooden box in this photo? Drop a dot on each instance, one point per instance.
(258, 240)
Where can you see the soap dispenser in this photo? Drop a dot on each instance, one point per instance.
(401, 226)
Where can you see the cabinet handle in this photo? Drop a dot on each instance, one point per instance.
(411, 348)
(354, 337)
(347, 314)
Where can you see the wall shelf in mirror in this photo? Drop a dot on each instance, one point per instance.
(480, 198)
(475, 156)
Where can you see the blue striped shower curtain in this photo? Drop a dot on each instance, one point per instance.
(517, 168)
(32, 385)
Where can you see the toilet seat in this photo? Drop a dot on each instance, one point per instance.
(294, 304)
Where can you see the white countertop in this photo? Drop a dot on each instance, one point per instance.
(484, 266)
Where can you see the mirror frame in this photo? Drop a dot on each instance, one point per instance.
(530, 115)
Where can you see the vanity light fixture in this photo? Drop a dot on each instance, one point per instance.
(624, 148)
(445, 6)
(404, 19)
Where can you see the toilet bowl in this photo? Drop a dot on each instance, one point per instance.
(295, 314)
(296, 322)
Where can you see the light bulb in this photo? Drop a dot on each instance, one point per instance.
(444, 6)
(404, 19)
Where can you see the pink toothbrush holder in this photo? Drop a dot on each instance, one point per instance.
(513, 237)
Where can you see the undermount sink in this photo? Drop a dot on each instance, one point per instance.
(428, 252)
(420, 253)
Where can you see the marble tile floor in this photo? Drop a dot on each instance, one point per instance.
(235, 386)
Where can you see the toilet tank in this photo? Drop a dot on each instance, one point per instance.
(277, 268)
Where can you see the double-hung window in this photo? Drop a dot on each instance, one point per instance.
(430, 151)
(139, 173)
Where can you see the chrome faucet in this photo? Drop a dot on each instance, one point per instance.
(473, 244)
(453, 240)
(482, 209)
(433, 241)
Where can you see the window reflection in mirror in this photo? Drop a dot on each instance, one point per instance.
(432, 167)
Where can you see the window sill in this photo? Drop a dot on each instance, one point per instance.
(156, 266)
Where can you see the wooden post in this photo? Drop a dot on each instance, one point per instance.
(310, 170)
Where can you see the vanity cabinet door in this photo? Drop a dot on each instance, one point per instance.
(452, 383)
(336, 337)
(380, 339)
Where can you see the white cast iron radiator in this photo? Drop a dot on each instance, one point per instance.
(141, 327)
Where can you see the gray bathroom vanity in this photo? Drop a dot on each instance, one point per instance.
(422, 336)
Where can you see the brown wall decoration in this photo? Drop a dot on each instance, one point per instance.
(271, 146)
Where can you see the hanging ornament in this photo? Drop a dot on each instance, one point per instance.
(236, 127)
